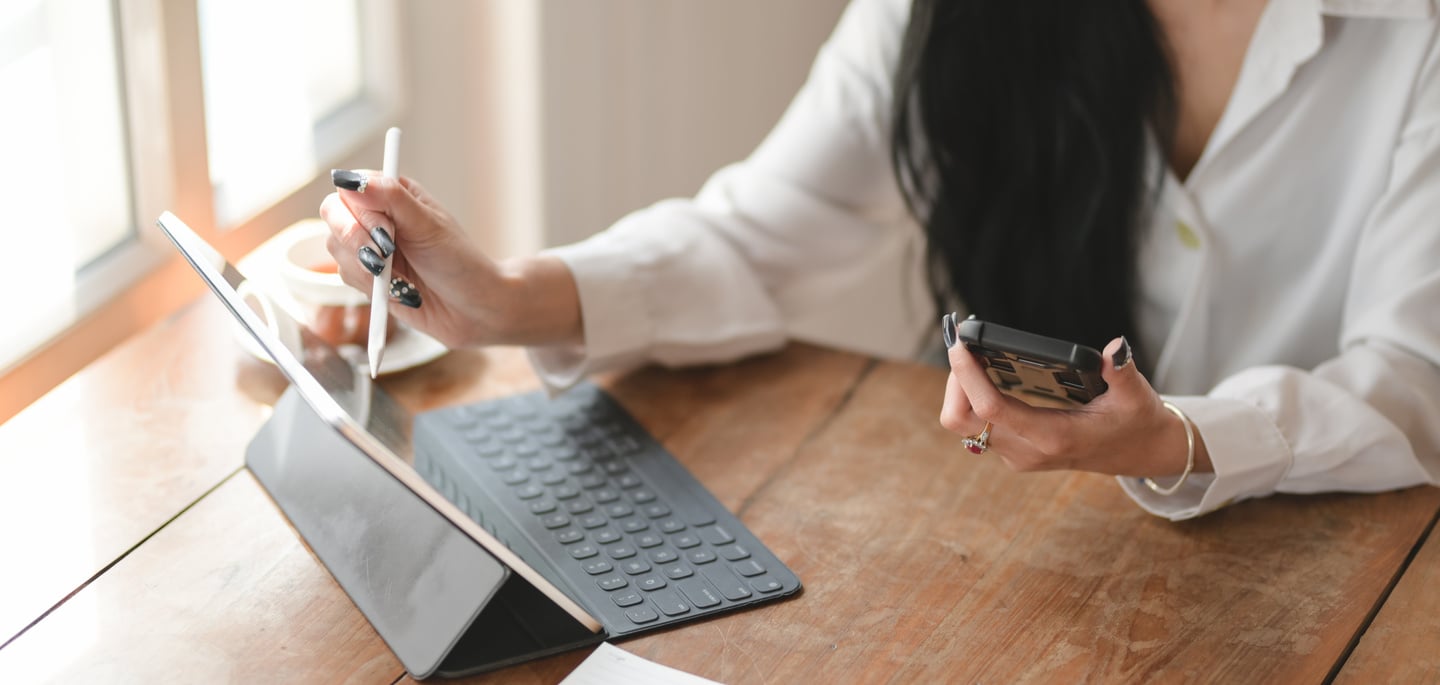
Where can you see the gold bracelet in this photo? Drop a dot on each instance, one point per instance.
(1189, 453)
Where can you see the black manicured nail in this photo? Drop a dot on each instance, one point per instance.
(1121, 358)
(947, 330)
(372, 262)
(382, 238)
(404, 293)
(349, 180)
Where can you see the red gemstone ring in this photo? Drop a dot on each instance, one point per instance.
(978, 443)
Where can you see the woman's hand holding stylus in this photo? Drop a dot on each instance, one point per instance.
(449, 288)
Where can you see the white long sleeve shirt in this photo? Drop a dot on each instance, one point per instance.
(1291, 283)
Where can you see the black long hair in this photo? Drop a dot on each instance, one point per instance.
(1021, 139)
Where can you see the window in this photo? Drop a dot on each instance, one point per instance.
(65, 173)
(285, 87)
(105, 135)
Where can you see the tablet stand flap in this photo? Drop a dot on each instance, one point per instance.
(418, 579)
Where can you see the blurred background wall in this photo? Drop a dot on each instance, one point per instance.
(539, 123)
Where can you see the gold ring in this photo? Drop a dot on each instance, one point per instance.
(978, 443)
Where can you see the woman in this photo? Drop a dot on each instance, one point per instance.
(1249, 191)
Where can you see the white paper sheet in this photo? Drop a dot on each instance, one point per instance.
(610, 665)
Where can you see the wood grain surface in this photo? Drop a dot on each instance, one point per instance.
(1403, 643)
(119, 449)
(921, 562)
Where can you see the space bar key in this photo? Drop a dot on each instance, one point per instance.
(729, 585)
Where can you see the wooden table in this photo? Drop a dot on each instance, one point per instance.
(136, 547)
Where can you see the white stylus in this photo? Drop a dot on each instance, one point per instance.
(380, 291)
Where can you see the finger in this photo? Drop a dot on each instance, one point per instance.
(347, 236)
(350, 270)
(1127, 386)
(987, 401)
(955, 412)
(385, 202)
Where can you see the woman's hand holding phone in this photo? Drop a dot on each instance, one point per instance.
(1126, 430)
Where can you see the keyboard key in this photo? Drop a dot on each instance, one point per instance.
(597, 567)
(765, 584)
(612, 582)
(669, 603)
(542, 506)
(649, 540)
(686, 541)
(700, 556)
(578, 506)
(628, 481)
(515, 478)
(726, 582)
(734, 553)
(491, 450)
(700, 517)
(621, 552)
(717, 536)
(634, 525)
(554, 521)
(503, 464)
(552, 478)
(571, 536)
(566, 492)
(678, 571)
(656, 511)
(554, 439)
(634, 567)
(596, 453)
(605, 496)
(749, 568)
(591, 521)
(530, 491)
(526, 449)
(584, 551)
(616, 511)
(699, 592)
(615, 467)
(642, 496)
(563, 452)
(624, 444)
(606, 536)
(641, 614)
(627, 599)
(578, 467)
(671, 526)
(590, 481)
(663, 556)
(650, 583)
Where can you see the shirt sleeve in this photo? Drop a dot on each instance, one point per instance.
(769, 243)
(1368, 419)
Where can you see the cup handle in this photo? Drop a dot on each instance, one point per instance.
(279, 323)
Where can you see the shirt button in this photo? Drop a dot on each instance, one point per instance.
(1187, 235)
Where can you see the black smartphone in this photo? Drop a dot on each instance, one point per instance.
(1040, 371)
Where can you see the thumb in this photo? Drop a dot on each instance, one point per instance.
(1118, 367)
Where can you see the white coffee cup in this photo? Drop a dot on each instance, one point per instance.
(334, 311)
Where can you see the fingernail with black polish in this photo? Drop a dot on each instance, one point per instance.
(349, 180)
(372, 262)
(382, 238)
(1122, 358)
(405, 293)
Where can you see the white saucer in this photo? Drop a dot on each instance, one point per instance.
(406, 349)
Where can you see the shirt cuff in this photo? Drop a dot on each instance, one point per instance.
(613, 315)
(1248, 452)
